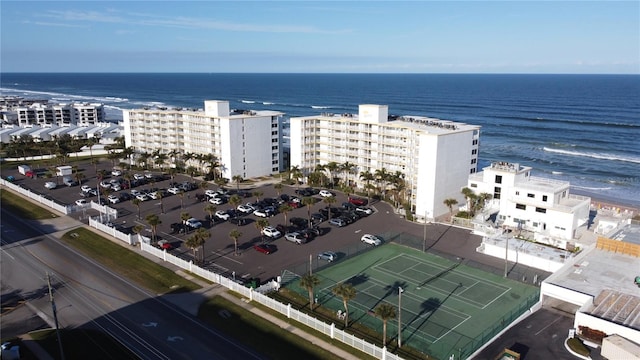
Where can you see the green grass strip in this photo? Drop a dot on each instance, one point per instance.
(24, 209)
(258, 333)
(127, 263)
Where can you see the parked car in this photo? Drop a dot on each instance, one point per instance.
(164, 244)
(218, 200)
(298, 221)
(371, 239)
(114, 199)
(318, 218)
(265, 248)
(172, 190)
(240, 221)
(338, 222)
(245, 209)
(81, 202)
(142, 197)
(358, 201)
(86, 188)
(328, 256)
(263, 213)
(222, 214)
(116, 172)
(69, 181)
(271, 232)
(326, 193)
(193, 222)
(138, 176)
(295, 237)
(105, 184)
(50, 185)
(364, 210)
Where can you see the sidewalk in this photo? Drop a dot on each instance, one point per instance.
(188, 302)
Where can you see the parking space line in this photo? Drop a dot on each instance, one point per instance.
(226, 257)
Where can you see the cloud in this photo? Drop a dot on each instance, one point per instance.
(43, 23)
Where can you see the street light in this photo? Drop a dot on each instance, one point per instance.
(400, 291)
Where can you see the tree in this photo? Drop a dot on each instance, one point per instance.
(79, 176)
(257, 194)
(260, 225)
(203, 235)
(181, 196)
(285, 209)
(347, 168)
(470, 196)
(308, 201)
(193, 242)
(449, 203)
(210, 209)
(137, 202)
(235, 234)
(159, 196)
(237, 179)
(153, 220)
(297, 175)
(191, 170)
(329, 200)
(309, 282)
(367, 177)
(127, 177)
(347, 292)
(385, 312)
(184, 216)
(278, 187)
(234, 201)
(332, 167)
(381, 176)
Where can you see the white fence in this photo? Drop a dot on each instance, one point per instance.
(258, 296)
(129, 239)
(37, 197)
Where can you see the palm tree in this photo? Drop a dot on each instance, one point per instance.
(79, 176)
(127, 177)
(137, 202)
(381, 176)
(257, 194)
(449, 203)
(237, 179)
(184, 216)
(181, 195)
(153, 220)
(309, 282)
(367, 177)
(235, 234)
(278, 187)
(204, 185)
(159, 196)
(332, 167)
(320, 170)
(203, 235)
(193, 242)
(160, 159)
(210, 209)
(234, 201)
(260, 225)
(329, 200)
(470, 196)
(285, 209)
(95, 163)
(347, 168)
(347, 292)
(297, 175)
(385, 312)
(191, 170)
(308, 201)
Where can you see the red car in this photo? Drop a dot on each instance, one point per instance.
(265, 248)
(164, 244)
(357, 201)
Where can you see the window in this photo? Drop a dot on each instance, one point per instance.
(496, 192)
(474, 185)
(517, 192)
(521, 206)
(530, 195)
(541, 210)
(474, 151)
(544, 197)
(498, 179)
(473, 161)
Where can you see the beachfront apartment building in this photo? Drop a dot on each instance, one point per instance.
(44, 114)
(244, 142)
(524, 202)
(435, 156)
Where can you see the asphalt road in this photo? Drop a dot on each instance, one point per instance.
(89, 295)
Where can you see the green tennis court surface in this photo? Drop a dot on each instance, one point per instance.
(447, 308)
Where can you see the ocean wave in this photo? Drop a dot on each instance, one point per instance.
(602, 156)
(67, 97)
(536, 119)
(320, 107)
(247, 101)
(591, 188)
(267, 103)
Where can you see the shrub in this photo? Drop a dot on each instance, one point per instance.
(577, 346)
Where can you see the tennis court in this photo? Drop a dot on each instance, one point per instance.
(447, 308)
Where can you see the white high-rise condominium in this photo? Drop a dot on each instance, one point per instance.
(244, 143)
(435, 156)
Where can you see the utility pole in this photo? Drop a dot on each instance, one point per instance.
(424, 239)
(310, 265)
(55, 316)
(506, 258)
(400, 290)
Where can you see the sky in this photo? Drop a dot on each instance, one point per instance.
(577, 37)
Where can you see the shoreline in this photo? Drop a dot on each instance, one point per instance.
(600, 202)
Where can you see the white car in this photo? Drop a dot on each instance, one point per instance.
(193, 222)
(135, 192)
(50, 185)
(81, 202)
(295, 238)
(116, 172)
(138, 176)
(271, 232)
(155, 195)
(211, 193)
(114, 199)
(245, 209)
(371, 239)
(174, 190)
(86, 188)
(222, 214)
(105, 184)
(116, 187)
(364, 210)
(262, 213)
(142, 197)
(217, 200)
(325, 193)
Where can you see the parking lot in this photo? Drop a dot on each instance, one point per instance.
(219, 248)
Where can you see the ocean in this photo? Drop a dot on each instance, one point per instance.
(584, 129)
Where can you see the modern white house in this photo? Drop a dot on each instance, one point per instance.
(435, 156)
(245, 143)
(539, 205)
